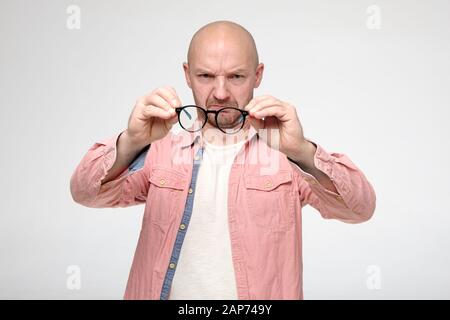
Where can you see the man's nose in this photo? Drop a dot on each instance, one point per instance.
(221, 88)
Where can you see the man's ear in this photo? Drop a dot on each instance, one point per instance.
(186, 74)
(259, 74)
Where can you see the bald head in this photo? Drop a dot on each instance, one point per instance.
(223, 34)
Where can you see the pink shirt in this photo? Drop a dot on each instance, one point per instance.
(266, 194)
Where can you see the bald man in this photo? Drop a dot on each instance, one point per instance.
(223, 197)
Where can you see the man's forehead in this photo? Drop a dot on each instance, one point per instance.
(213, 56)
(216, 68)
(220, 64)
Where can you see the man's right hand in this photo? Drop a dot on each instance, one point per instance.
(151, 119)
(153, 116)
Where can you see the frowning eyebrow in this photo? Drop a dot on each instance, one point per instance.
(240, 70)
(233, 71)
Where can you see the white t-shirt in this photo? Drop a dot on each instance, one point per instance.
(205, 268)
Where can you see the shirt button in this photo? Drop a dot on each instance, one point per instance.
(162, 181)
(190, 190)
(182, 226)
(172, 265)
(268, 184)
(196, 158)
(338, 197)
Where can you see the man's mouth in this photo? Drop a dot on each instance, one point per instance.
(218, 107)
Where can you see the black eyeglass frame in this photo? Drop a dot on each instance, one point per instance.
(216, 115)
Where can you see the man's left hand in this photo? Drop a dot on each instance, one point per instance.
(284, 131)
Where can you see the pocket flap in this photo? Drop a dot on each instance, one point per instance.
(267, 182)
(167, 178)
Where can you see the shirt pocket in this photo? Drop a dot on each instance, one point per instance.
(165, 189)
(270, 200)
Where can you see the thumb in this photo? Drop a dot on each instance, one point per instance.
(256, 123)
(174, 119)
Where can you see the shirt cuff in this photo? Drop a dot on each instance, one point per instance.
(325, 162)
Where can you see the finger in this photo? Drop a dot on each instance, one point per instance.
(159, 102)
(255, 101)
(154, 111)
(263, 103)
(169, 95)
(176, 101)
(269, 102)
(274, 111)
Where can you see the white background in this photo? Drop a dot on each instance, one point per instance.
(381, 96)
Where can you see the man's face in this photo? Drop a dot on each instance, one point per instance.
(222, 73)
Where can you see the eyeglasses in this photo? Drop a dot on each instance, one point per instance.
(228, 120)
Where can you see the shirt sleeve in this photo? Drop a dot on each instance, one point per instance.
(128, 189)
(355, 200)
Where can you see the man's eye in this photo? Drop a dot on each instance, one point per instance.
(204, 75)
(237, 76)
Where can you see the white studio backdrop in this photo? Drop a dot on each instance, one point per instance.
(369, 79)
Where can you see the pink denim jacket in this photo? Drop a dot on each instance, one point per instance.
(266, 195)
